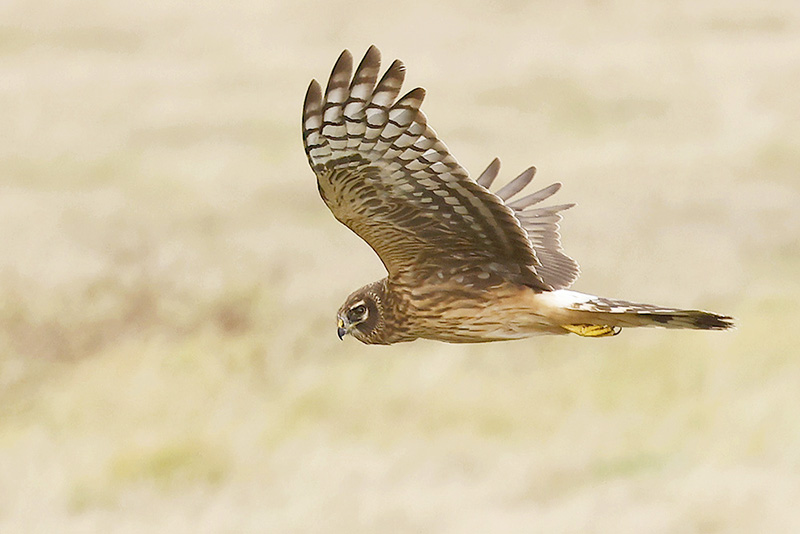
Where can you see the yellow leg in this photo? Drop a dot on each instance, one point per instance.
(591, 330)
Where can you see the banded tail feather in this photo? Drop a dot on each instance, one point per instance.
(591, 316)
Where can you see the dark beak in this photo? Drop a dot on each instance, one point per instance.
(341, 332)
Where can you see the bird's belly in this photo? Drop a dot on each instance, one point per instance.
(506, 318)
(476, 330)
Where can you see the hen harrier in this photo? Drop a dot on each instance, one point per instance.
(465, 265)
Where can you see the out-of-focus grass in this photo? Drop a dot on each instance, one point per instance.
(168, 361)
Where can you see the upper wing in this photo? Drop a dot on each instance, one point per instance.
(557, 269)
(383, 172)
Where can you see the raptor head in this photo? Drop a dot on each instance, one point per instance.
(362, 314)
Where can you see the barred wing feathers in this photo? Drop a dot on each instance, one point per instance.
(557, 269)
(384, 173)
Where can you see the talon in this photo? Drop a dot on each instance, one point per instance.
(591, 330)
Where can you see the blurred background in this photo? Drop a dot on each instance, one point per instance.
(170, 277)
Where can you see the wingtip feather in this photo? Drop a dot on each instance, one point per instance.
(313, 94)
(488, 176)
(340, 74)
(517, 184)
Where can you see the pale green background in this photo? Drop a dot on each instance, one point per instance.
(169, 276)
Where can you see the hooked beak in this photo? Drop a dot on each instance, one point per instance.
(341, 331)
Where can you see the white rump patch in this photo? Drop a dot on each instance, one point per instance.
(564, 298)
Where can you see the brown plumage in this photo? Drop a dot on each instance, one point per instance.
(464, 264)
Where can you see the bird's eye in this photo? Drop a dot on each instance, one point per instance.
(357, 312)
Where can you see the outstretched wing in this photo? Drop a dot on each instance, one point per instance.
(557, 269)
(383, 172)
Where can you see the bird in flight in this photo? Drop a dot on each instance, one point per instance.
(465, 265)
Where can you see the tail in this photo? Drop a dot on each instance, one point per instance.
(590, 316)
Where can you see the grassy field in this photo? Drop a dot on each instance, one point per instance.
(169, 275)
